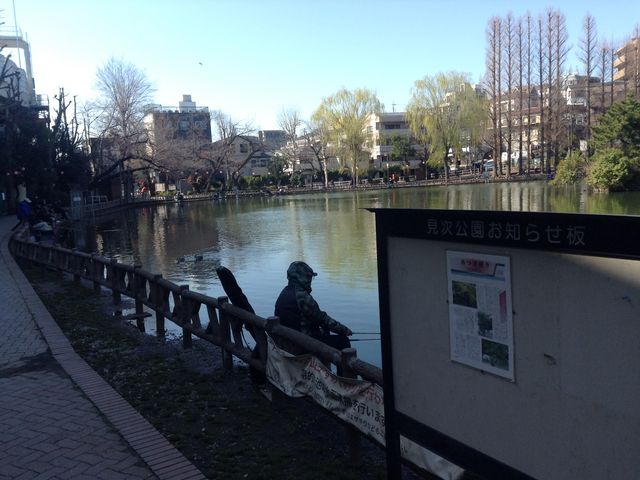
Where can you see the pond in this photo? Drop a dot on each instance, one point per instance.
(333, 232)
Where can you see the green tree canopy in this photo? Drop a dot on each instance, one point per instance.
(401, 148)
(611, 170)
(570, 170)
(344, 116)
(445, 113)
(619, 128)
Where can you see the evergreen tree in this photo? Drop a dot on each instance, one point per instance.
(620, 128)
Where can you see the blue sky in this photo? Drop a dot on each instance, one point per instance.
(251, 59)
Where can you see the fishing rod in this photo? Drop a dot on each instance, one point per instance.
(366, 333)
(364, 339)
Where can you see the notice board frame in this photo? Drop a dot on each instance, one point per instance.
(610, 236)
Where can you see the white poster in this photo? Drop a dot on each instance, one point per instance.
(357, 402)
(480, 311)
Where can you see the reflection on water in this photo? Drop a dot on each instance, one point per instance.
(258, 238)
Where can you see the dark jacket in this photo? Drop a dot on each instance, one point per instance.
(297, 309)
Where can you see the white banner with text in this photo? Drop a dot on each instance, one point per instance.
(358, 402)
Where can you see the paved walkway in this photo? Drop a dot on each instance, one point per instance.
(58, 418)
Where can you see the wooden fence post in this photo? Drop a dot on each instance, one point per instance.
(158, 301)
(353, 436)
(94, 273)
(278, 397)
(225, 331)
(115, 287)
(74, 262)
(187, 341)
(138, 283)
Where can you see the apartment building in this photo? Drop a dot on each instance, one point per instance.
(627, 62)
(566, 129)
(186, 122)
(382, 128)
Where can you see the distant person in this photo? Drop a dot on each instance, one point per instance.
(23, 213)
(297, 309)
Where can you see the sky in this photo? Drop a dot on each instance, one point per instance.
(254, 58)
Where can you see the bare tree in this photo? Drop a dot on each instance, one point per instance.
(551, 94)
(67, 139)
(491, 81)
(176, 149)
(520, 35)
(612, 66)
(636, 61)
(541, 83)
(234, 148)
(604, 58)
(529, 89)
(561, 52)
(498, 159)
(317, 141)
(509, 32)
(290, 122)
(587, 54)
(124, 91)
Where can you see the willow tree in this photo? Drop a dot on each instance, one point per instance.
(344, 116)
(445, 112)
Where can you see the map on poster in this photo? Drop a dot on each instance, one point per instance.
(480, 311)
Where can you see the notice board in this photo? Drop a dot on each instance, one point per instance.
(511, 340)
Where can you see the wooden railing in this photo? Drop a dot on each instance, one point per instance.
(214, 320)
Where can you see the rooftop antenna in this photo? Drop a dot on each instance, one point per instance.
(393, 107)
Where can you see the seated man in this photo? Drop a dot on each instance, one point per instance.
(297, 309)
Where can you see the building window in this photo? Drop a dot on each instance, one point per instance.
(244, 148)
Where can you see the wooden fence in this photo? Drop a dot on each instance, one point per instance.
(212, 319)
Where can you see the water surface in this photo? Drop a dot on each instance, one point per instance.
(333, 232)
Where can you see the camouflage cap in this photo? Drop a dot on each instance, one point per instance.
(300, 271)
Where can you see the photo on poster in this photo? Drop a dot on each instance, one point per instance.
(495, 354)
(464, 294)
(485, 324)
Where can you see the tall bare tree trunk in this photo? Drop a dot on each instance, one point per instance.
(497, 163)
(636, 62)
(603, 71)
(520, 35)
(493, 32)
(508, 51)
(550, 37)
(560, 106)
(588, 45)
(541, 136)
(529, 83)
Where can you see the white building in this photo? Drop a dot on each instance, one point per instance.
(20, 62)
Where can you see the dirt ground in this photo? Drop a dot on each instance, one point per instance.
(220, 420)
